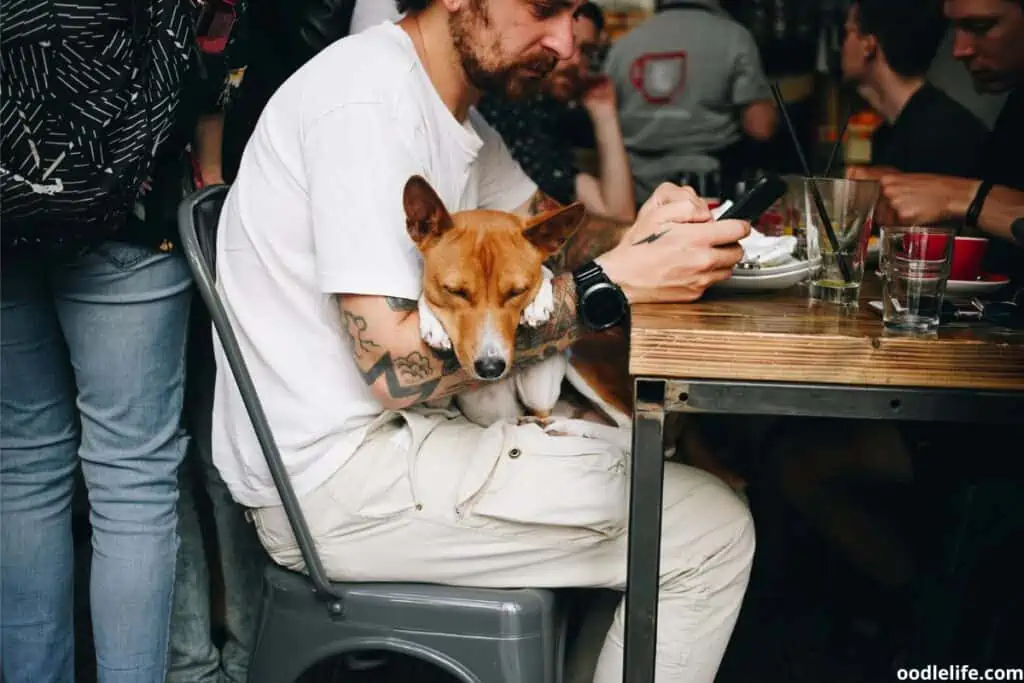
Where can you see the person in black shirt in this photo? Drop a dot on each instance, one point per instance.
(886, 52)
(989, 40)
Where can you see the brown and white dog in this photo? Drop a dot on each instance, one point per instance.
(483, 277)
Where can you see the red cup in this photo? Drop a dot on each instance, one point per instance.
(968, 254)
(770, 223)
(925, 246)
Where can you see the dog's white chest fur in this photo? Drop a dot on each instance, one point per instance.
(536, 387)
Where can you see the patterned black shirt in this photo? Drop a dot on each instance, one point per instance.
(540, 134)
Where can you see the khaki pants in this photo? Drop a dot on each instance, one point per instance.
(432, 497)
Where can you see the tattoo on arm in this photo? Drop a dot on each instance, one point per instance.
(534, 344)
(415, 375)
(385, 367)
(355, 326)
(396, 303)
(653, 237)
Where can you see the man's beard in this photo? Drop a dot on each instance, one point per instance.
(482, 63)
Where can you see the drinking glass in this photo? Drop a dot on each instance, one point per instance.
(837, 270)
(917, 262)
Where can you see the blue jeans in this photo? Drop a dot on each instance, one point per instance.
(194, 657)
(93, 365)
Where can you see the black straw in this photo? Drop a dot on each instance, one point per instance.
(837, 145)
(818, 201)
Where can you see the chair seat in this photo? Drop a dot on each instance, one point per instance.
(421, 607)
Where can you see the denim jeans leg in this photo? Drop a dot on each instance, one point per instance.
(192, 657)
(241, 556)
(124, 313)
(38, 445)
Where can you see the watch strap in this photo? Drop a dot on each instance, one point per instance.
(588, 274)
(974, 209)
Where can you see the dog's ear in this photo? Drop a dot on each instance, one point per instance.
(425, 215)
(550, 230)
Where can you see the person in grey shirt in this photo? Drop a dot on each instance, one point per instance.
(690, 85)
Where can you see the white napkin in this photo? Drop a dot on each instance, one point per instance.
(767, 251)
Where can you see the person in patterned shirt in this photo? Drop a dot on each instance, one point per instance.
(575, 109)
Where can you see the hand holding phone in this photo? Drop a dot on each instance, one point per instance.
(766, 191)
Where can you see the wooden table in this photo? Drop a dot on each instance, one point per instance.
(774, 354)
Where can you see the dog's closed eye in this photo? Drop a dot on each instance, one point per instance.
(457, 292)
(513, 293)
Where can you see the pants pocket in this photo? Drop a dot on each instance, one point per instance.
(374, 484)
(563, 483)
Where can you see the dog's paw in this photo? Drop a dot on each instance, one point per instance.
(431, 330)
(533, 420)
(539, 311)
(617, 436)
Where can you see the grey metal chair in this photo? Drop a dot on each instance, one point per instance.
(476, 635)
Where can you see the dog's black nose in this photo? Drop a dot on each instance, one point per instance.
(489, 368)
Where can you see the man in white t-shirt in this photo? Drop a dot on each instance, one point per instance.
(320, 280)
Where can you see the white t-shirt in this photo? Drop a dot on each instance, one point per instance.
(316, 209)
(367, 13)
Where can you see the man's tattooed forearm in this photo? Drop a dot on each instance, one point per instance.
(399, 304)
(385, 367)
(355, 326)
(534, 344)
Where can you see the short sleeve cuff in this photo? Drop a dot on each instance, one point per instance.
(515, 196)
(371, 282)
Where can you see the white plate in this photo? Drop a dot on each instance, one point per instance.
(768, 271)
(749, 283)
(987, 285)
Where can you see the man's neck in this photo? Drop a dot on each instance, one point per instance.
(433, 41)
(889, 93)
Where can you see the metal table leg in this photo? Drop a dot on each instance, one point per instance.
(644, 552)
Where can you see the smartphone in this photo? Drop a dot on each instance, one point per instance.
(766, 191)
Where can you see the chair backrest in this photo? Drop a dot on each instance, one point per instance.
(198, 216)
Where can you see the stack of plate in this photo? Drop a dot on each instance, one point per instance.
(766, 278)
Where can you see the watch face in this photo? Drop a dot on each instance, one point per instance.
(603, 306)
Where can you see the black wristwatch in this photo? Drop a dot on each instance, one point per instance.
(601, 303)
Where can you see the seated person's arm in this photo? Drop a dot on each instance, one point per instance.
(1001, 209)
(612, 193)
(760, 120)
(209, 137)
(915, 198)
(402, 371)
(759, 117)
